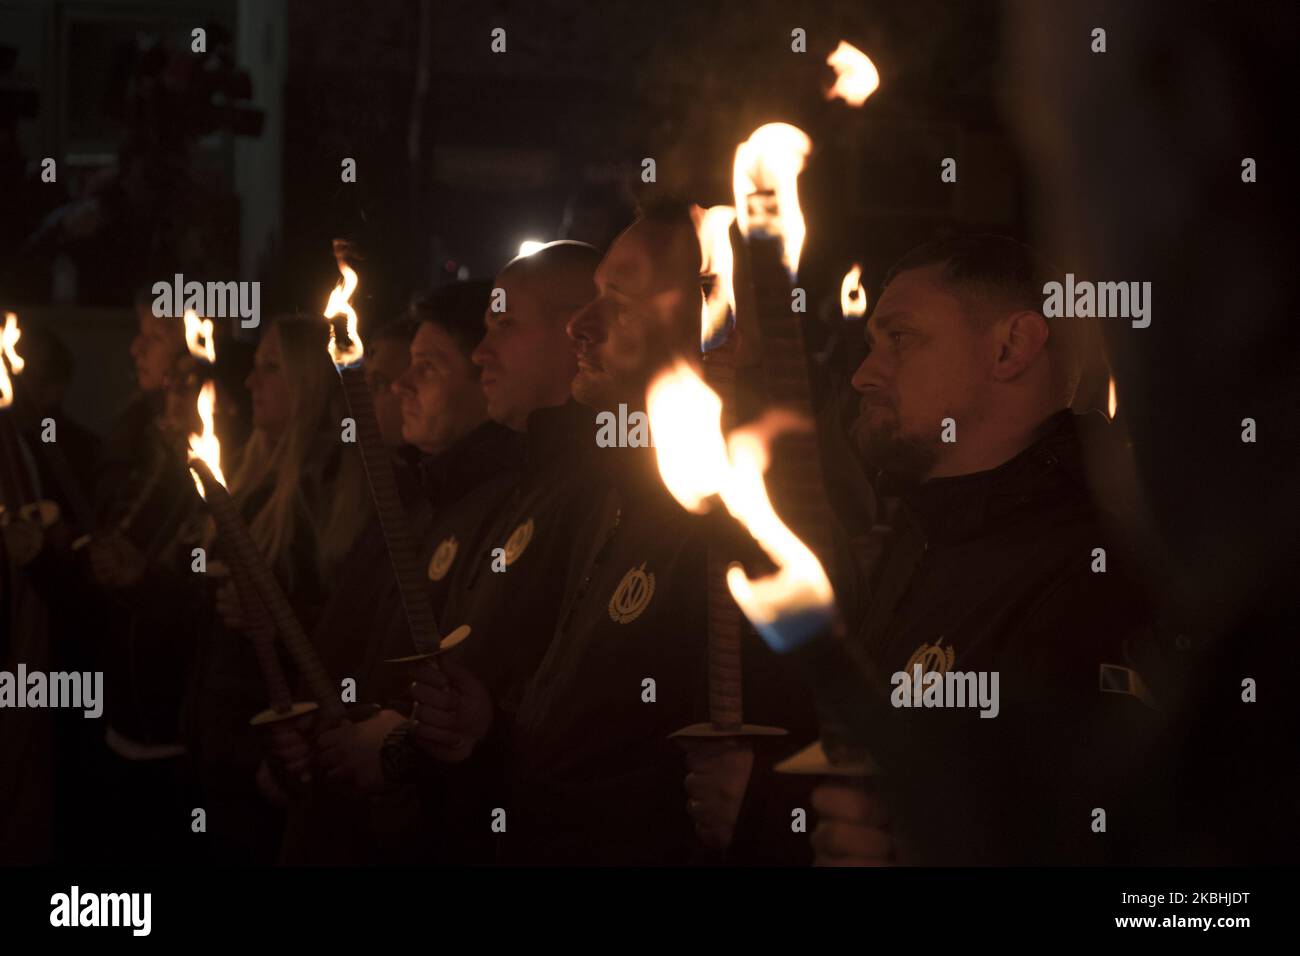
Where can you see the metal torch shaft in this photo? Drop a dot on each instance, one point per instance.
(260, 630)
(725, 675)
(797, 476)
(393, 519)
(233, 531)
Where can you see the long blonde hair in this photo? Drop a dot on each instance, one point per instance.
(314, 477)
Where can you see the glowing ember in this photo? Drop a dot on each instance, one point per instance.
(853, 298)
(340, 304)
(766, 183)
(207, 446)
(9, 358)
(1112, 400)
(695, 463)
(198, 336)
(713, 227)
(856, 76)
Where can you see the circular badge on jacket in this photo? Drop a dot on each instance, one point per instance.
(442, 558)
(518, 541)
(632, 595)
(933, 658)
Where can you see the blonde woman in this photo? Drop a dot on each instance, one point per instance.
(302, 491)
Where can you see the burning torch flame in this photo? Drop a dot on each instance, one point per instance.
(766, 173)
(198, 336)
(1112, 400)
(713, 227)
(853, 298)
(8, 340)
(207, 446)
(696, 463)
(856, 77)
(340, 304)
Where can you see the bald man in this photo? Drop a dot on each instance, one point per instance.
(508, 589)
(593, 777)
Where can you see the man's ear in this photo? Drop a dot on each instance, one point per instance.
(1022, 336)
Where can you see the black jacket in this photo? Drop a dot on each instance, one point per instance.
(994, 572)
(595, 779)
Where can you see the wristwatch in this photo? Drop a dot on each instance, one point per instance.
(396, 755)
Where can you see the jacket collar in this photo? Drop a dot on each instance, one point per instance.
(1046, 474)
(488, 450)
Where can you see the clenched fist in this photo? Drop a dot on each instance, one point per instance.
(852, 829)
(717, 775)
(453, 711)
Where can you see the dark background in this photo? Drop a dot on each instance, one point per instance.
(160, 168)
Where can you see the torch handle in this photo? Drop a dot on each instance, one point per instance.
(393, 519)
(798, 476)
(242, 551)
(261, 632)
(726, 698)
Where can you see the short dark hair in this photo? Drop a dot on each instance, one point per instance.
(996, 266)
(400, 330)
(995, 275)
(457, 308)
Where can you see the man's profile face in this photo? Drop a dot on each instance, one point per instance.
(928, 362)
(155, 348)
(386, 361)
(526, 357)
(646, 311)
(439, 391)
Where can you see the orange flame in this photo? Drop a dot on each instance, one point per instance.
(207, 446)
(765, 179)
(696, 463)
(853, 298)
(856, 76)
(713, 227)
(340, 304)
(198, 336)
(1112, 400)
(8, 352)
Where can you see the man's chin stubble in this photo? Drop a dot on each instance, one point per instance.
(883, 449)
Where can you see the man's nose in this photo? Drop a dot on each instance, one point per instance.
(586, 324)
(402, 384)
(868, 376)
(481, 352)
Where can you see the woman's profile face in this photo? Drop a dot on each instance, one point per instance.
(268, 387)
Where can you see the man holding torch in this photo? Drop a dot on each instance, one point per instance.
(998, 565)
(509, 593)
(593, 776)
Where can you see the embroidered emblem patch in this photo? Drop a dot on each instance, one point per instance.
(932, 657)
(518, 541)
(632, 595)
(442, 558)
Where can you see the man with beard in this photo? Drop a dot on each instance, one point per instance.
(998, 566)
(594, 778)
